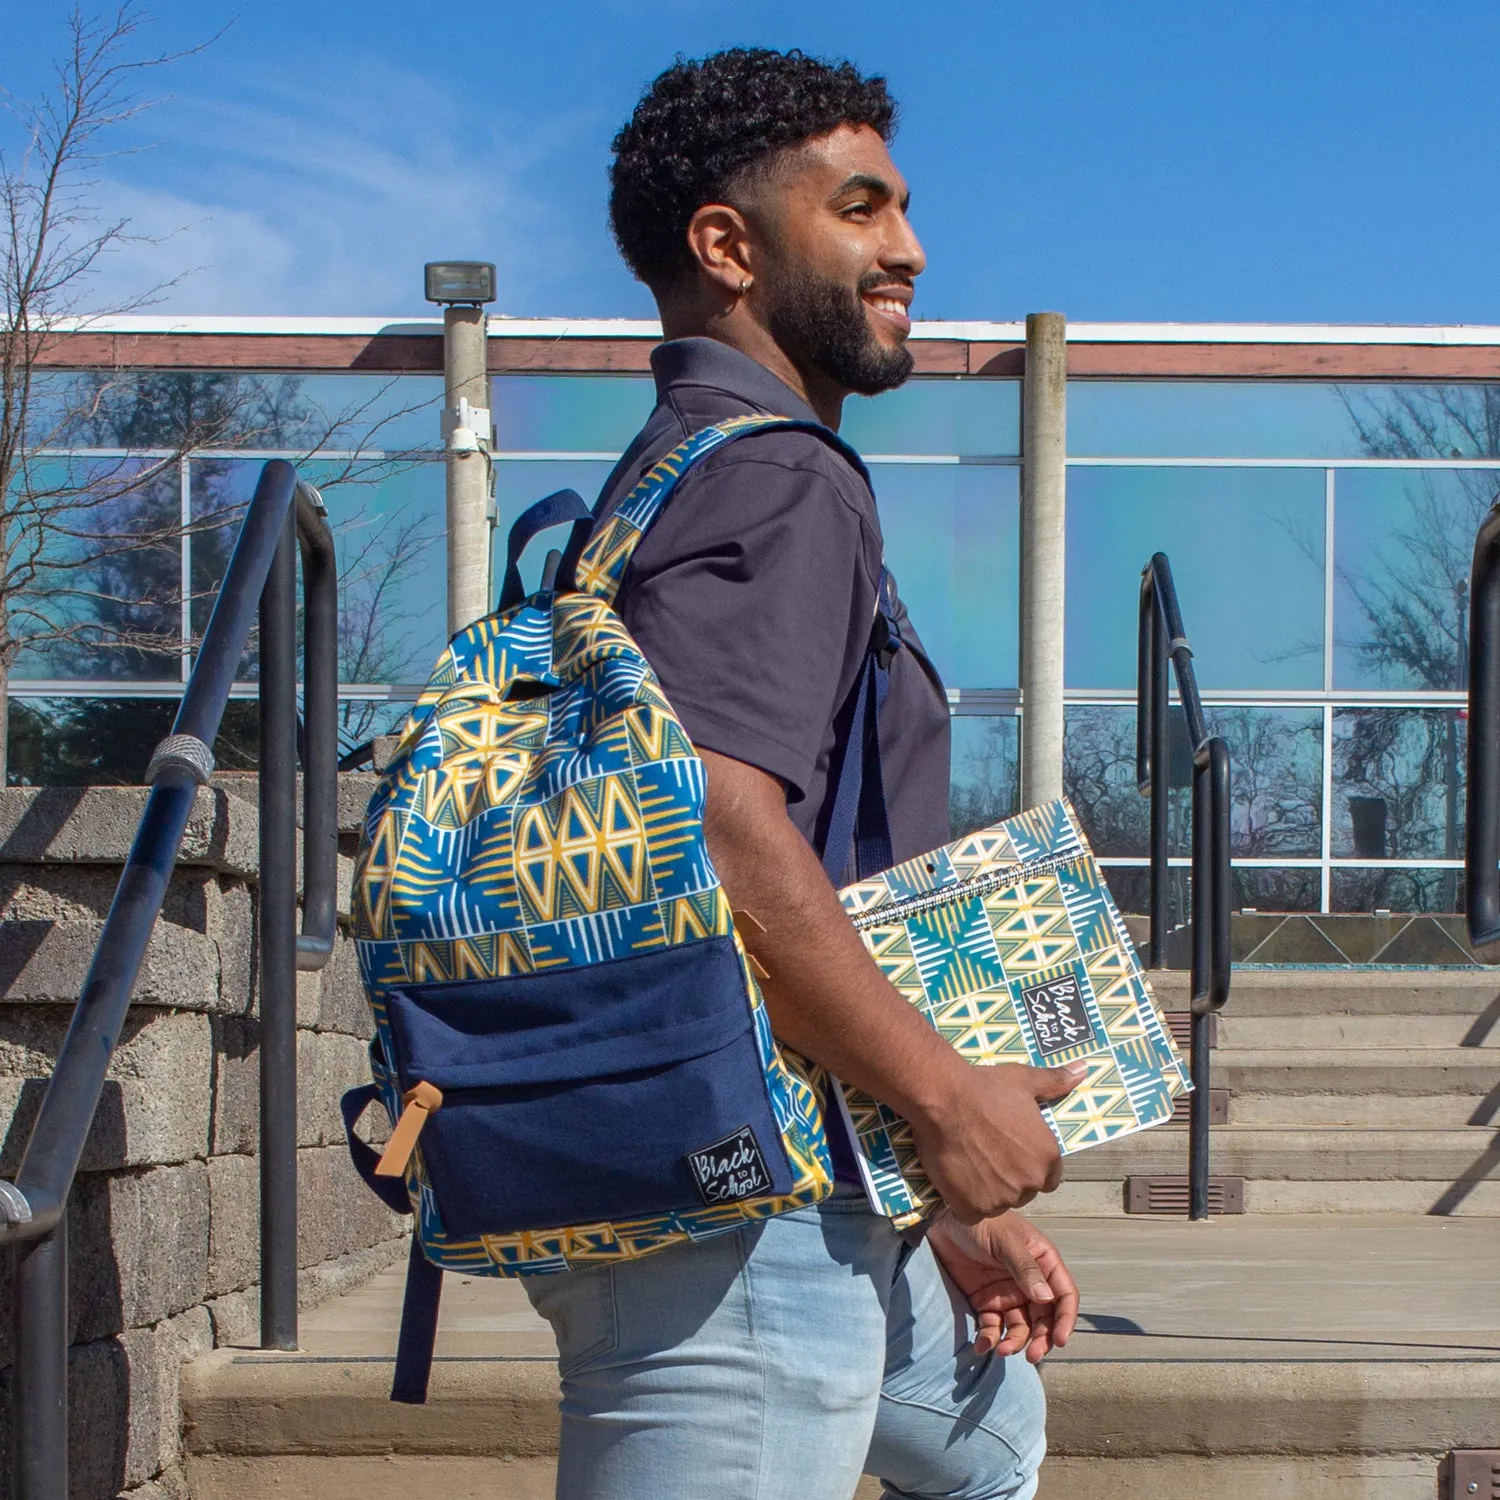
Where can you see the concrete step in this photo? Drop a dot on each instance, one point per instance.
(1439, 1088)
(1336, 1359)
(1105, 1198)
(1301, 1155)
(1240, 1031)
(399, 1476)
(1474, 993)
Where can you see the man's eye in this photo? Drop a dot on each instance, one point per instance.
(858, 208)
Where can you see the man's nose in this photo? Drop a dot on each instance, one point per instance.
(903, 251)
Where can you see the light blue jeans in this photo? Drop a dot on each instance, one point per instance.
(780, 1361)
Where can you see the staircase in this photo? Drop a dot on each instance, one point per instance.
(1350, 1091)
(1332, 1343)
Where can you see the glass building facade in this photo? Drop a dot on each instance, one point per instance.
(1320, 533)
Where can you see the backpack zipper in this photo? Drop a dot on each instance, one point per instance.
(975, 885)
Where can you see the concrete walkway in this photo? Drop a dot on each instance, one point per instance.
(1305, 1288)
(1330, 1356)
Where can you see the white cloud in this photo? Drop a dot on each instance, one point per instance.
(327, 200)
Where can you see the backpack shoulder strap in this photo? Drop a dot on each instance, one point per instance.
(601, 565)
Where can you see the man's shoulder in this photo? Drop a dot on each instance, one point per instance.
(800, 455)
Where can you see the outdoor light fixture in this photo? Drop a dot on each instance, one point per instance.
(458, 282)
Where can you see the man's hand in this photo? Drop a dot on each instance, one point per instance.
(985, 1145)
(1022, 1294)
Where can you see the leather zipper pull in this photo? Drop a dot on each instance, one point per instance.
(420, 1102)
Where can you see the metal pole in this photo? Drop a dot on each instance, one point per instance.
(1159, 725)
(278, 948)
(39, 1369)
(1198, 1061)
(464, 366)
(320, 710)
(1044, 450)
(1482, 782)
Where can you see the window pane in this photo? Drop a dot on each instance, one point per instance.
(108, 741)
(1265, 889)
(950, 541)
(984, 784)
(1398, 783)
(570, 413)
(389, 537)
(1276, 780)
(226, 409)
(1246, 547)
(970, 417)
(387, 522)
(1403, 546)
(1280, 419)
(1397, 890)
(1099, 779)
(104, 539)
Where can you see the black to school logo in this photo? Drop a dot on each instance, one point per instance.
(1059, 1019)
(730, 1170)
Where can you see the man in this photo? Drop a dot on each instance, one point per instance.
(754, 194)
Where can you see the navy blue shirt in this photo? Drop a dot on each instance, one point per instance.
(753, 595)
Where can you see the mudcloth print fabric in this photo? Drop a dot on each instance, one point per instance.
(1010, 944)
(542, 815)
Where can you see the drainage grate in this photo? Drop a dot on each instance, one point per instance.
(1180, 1024)
(1169, 1195)
(1467, 1472)
(1218, 1108)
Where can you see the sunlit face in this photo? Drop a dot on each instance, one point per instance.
(840, 259)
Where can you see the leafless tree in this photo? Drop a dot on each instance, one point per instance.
(90, 541)
(61, 520)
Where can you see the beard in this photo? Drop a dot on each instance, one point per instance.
(822, 322)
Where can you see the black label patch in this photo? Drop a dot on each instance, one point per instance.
(730, 1170)
(1059, 1020)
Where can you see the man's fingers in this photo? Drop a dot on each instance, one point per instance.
(1028, 1275)
(1051, 1084)
(1065, 1304)
(1017, 1333)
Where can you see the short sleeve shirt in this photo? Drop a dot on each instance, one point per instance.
(753, 596)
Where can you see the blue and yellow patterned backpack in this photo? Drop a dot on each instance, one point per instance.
(569, 1035)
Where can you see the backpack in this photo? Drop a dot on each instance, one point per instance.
(570, 1041)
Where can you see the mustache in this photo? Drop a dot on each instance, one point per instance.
(873, 281)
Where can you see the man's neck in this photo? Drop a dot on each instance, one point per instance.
(740, 331)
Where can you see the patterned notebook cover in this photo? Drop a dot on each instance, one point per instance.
(1010, 943)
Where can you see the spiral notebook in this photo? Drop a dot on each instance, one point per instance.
(1011, 945)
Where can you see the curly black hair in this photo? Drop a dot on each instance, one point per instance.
(703, 125)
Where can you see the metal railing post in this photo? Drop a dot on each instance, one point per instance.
(1153, 759)
(39, 1414)
(320, 713)
(278, 947)
(1482, 783)
(1162, 639)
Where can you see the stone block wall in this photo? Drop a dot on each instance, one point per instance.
(163, 1223)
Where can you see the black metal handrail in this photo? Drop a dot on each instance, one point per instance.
(1162, 640)
(33, 1218)
(1482, 783)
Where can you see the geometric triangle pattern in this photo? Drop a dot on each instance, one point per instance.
(544, 809)
(1010, 944)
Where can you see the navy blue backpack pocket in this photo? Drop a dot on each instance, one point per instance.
(626, 1088)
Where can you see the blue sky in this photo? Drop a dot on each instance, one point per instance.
(1331, 161)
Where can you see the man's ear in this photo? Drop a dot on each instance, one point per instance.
(719, 240)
